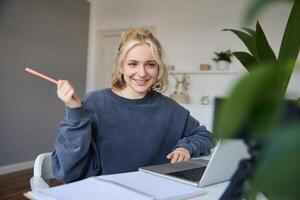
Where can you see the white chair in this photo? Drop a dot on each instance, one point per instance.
(42, 171)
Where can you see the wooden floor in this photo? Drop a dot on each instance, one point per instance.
(12, 186)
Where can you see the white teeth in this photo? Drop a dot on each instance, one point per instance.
(140, 82)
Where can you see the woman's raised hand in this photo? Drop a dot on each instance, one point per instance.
(66, 93)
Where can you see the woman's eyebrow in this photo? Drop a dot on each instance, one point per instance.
(147, 61)
(132, 61)
(151, 61)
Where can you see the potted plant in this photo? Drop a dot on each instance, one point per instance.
(257, 98)
(223, 59)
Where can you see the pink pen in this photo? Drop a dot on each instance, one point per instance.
(28, 69)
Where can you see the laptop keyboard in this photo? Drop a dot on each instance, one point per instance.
(193, 175)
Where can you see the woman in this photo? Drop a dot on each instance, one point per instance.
(130, 125)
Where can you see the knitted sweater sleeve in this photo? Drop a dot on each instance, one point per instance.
(196, 138)
(75, 154)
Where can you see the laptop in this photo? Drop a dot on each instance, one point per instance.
(203, 172)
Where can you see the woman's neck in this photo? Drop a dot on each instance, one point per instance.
(128, 94)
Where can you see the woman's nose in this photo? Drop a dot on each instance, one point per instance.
(142, 72)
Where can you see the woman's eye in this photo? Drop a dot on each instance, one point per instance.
(151, 65)
(132, 64)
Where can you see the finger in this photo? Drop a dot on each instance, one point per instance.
(181, 157)
(187, 157)
(61, 87)
(170, 155)
(66, 90)
(186, 153)
(60, 83)
(58, 86)
(62, 91)
(175, 157)
(69, 95)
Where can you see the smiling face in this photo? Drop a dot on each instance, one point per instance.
(140, 71)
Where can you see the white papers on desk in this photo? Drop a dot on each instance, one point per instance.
(157, 187)
(126, 186)
(88, 189)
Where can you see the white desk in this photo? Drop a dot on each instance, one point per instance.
(213, 192)
(131, 184)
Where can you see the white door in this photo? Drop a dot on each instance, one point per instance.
(108, 42)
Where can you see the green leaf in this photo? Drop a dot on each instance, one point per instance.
(254, 9)
(278, 173)
(264, 50)
(248, 40)
(290, 44)
(250, 31)
(247, 60)
(254, 100)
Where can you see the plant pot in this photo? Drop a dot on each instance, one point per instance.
(222, 65)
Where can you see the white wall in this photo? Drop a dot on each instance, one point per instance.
(190, 32)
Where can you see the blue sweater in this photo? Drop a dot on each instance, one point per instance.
(111, 134)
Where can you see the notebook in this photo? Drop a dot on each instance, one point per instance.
(124, 186)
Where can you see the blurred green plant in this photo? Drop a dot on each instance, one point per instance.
(256, 6)
(257, 99)
(278, 174)
(257, 44)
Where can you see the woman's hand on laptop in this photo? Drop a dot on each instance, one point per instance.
(180, 154)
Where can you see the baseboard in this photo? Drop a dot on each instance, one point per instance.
(6, 169)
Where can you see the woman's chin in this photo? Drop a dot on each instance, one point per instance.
(141, 89)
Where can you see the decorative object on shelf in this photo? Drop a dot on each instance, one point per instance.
(223, 59)
(171, 67)
(180, 94)
(205, 67)
(205, 100)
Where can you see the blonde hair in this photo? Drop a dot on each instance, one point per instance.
(131, 39)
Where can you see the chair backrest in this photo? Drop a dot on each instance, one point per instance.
(43, 167)
(42, 172)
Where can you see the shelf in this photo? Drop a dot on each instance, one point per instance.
(211, 72)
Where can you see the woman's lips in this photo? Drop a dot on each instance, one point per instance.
(140, 82)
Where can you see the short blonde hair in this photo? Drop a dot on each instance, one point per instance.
(131, 39)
